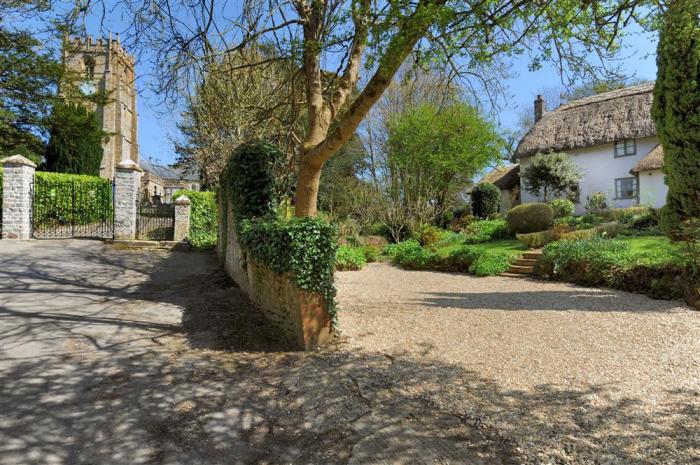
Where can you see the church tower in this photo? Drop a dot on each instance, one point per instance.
(105, 66)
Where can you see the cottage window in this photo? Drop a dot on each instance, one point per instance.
(625, 148)
(625, 188)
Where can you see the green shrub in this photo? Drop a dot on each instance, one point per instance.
(623, 215)
(597, 202)
(204, 221)
(461, 259)
(71, 198)
(428, 235)
(449, 238)
(537, 239)
(490, 264)
(486, 199)
(75, 141)
(486, 230)
(350, 258)
(562, 207)
(371, 253)
(600, 261)
(410, 254)
(530, 217)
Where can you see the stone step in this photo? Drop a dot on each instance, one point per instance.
(532, 254)
(526, 262)
(508, 274)
(520, 269)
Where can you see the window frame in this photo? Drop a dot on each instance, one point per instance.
(635, 185)
(626, 144)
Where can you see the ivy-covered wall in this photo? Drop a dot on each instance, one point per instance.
(285, 265)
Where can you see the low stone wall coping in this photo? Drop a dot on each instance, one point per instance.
(18, 160)
(129, 165)
(183, 200)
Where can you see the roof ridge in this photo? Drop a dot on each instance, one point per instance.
(636, 89)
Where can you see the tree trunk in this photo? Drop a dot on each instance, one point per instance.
(307, 189)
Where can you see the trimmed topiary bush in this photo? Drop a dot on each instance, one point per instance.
(486, 200)
(537, 239)
(530, 217)
(562, 207)
(61, 198)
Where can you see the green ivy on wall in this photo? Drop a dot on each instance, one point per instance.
(204, 222)
(304, 248)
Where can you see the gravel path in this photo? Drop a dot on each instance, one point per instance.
(568, 374)
(117, 357)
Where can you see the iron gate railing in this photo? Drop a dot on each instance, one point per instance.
(155, 221)
(66, 208)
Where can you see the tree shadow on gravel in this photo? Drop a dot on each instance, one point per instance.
(221, 389)
(582, 299)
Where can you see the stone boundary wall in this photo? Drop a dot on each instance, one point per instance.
(300, 315)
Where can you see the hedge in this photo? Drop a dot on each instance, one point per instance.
(71, 198)
(204, 221)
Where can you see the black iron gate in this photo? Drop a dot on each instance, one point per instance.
(155, 221)
(72, 208)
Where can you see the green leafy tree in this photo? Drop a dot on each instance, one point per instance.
(435, 151)
(676, 112)
(472, 38)
(28, 83)
(75, 143)
(550, 174)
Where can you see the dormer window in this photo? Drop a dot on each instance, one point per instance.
(625, 148)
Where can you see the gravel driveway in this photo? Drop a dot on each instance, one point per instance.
(565, 374)
(117, 357)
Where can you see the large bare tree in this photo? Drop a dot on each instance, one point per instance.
(334, 39)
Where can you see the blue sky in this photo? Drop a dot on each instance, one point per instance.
(157, 123)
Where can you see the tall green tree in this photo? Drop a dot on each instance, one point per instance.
(472, 38)
(75, 143)
(29, 77)
(676, 112)
(434, 152)
(550, 174)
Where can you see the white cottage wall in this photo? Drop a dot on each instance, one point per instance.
(600, 169)
(652, 188)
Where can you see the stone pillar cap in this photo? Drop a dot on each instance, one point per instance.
(129, 165)
(183, 200)
(18, 160)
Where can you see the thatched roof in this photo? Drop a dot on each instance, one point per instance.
(599, 119)
(653, 161)
(505, 177)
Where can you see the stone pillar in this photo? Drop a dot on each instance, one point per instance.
(127, 182)
(182, 218)
(18, 180)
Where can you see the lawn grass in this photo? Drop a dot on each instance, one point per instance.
(655, 244)
(508, 247)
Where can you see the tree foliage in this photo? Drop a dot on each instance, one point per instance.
(28, 80)
(75, 143)
(550, 174)
(676, 111)
(470, 38)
